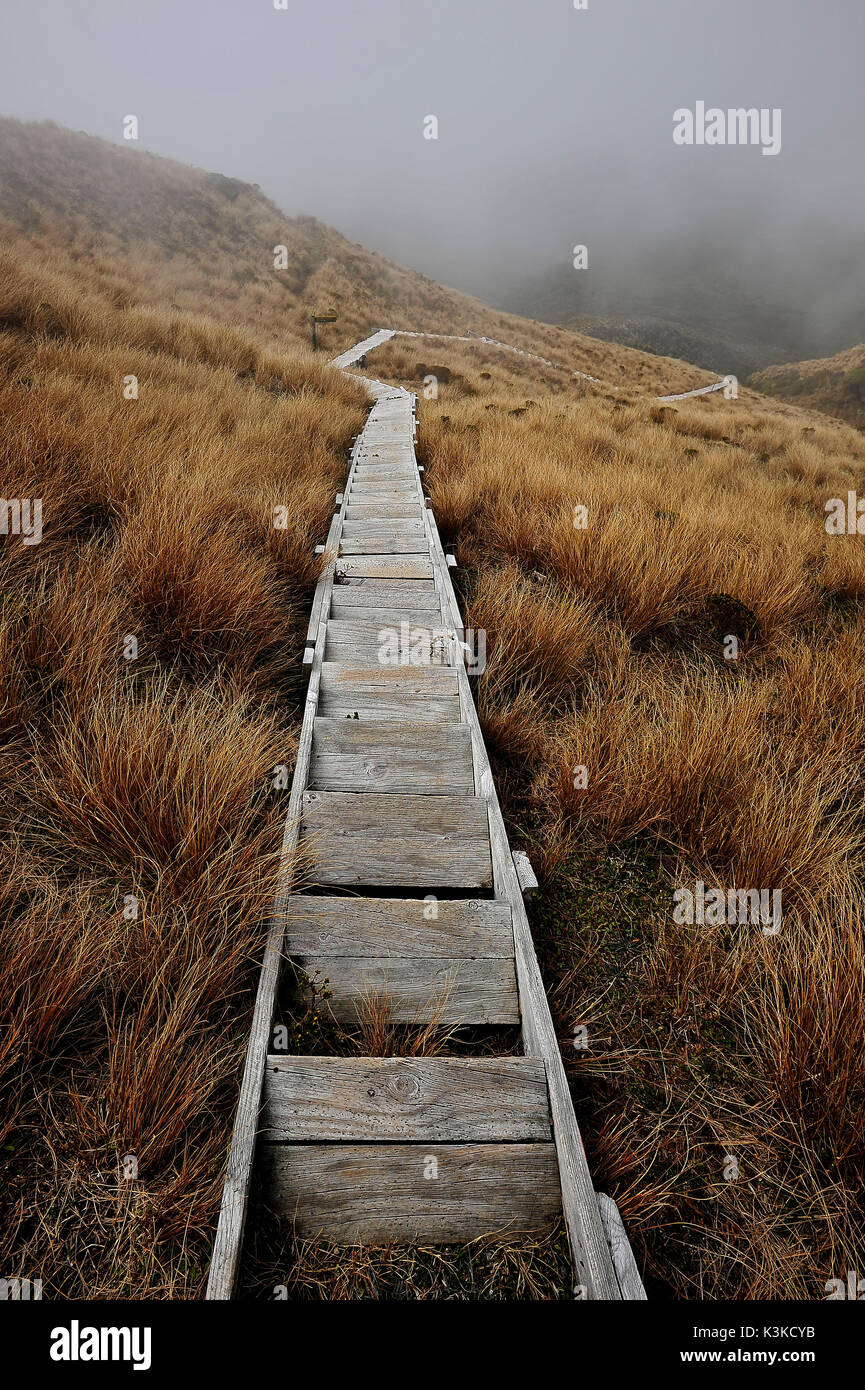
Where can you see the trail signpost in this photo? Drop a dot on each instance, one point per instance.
(329, 317)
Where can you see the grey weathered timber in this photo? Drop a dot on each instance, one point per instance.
(386, 614)
(412, 594)
(375, 588)
(390, 692)
(355, 642)
(453, 991)
(404, 543)
(622, 1255)
(360, 511)
(316, 614)
(405, 1099)
(373, 527)
(397, 840)
(367, 494)
(385, 567)
(354, 755)
(376, 1193)
(406, 927)
(525, 873)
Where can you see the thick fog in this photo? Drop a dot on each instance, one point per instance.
(555, 127)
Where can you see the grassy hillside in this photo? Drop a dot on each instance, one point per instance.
(833, 385)
(145, 232)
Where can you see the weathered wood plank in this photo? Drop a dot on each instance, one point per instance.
(358, 511)
(408, 486)
(385, 566)
(525, 873)
(386, 614)
(412, 693)
(360, 755)
(390, 644)
(379, 927)
(454, 991)
(402, 527)
(347, 604)
(397, 543)
(425, 589)
(369, 493)
(622, 1255)
(397, 840)
(385, 1193)
(389, 473)
(404, 1100)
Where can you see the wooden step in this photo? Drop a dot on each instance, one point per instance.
(386, 490)
(386, 1193)
(358, 511)
(424, 589)
(384, 613)
(402, 643)
(390, 473)
(434, 1100)
(386, 566)
(371, 527)
(397, 840)
(366, 755)
(378, 543)
(410, 693)
(410, 927)
(458, 991)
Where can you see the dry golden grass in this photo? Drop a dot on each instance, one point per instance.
(495, 1268)
(140, 828)
(607, 651)
(835, 385)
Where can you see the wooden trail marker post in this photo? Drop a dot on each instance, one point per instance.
(329, 317)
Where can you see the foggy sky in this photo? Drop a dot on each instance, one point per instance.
(555, 125)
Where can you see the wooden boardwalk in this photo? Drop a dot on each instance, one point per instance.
(416, 900)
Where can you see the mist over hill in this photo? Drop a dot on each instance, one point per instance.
(708, 302)
(142, 230)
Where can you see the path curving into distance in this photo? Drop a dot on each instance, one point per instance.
(354, 354)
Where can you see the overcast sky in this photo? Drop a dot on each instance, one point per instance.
(555, 125)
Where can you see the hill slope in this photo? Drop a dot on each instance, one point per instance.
(143, 230)
(833, 385)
